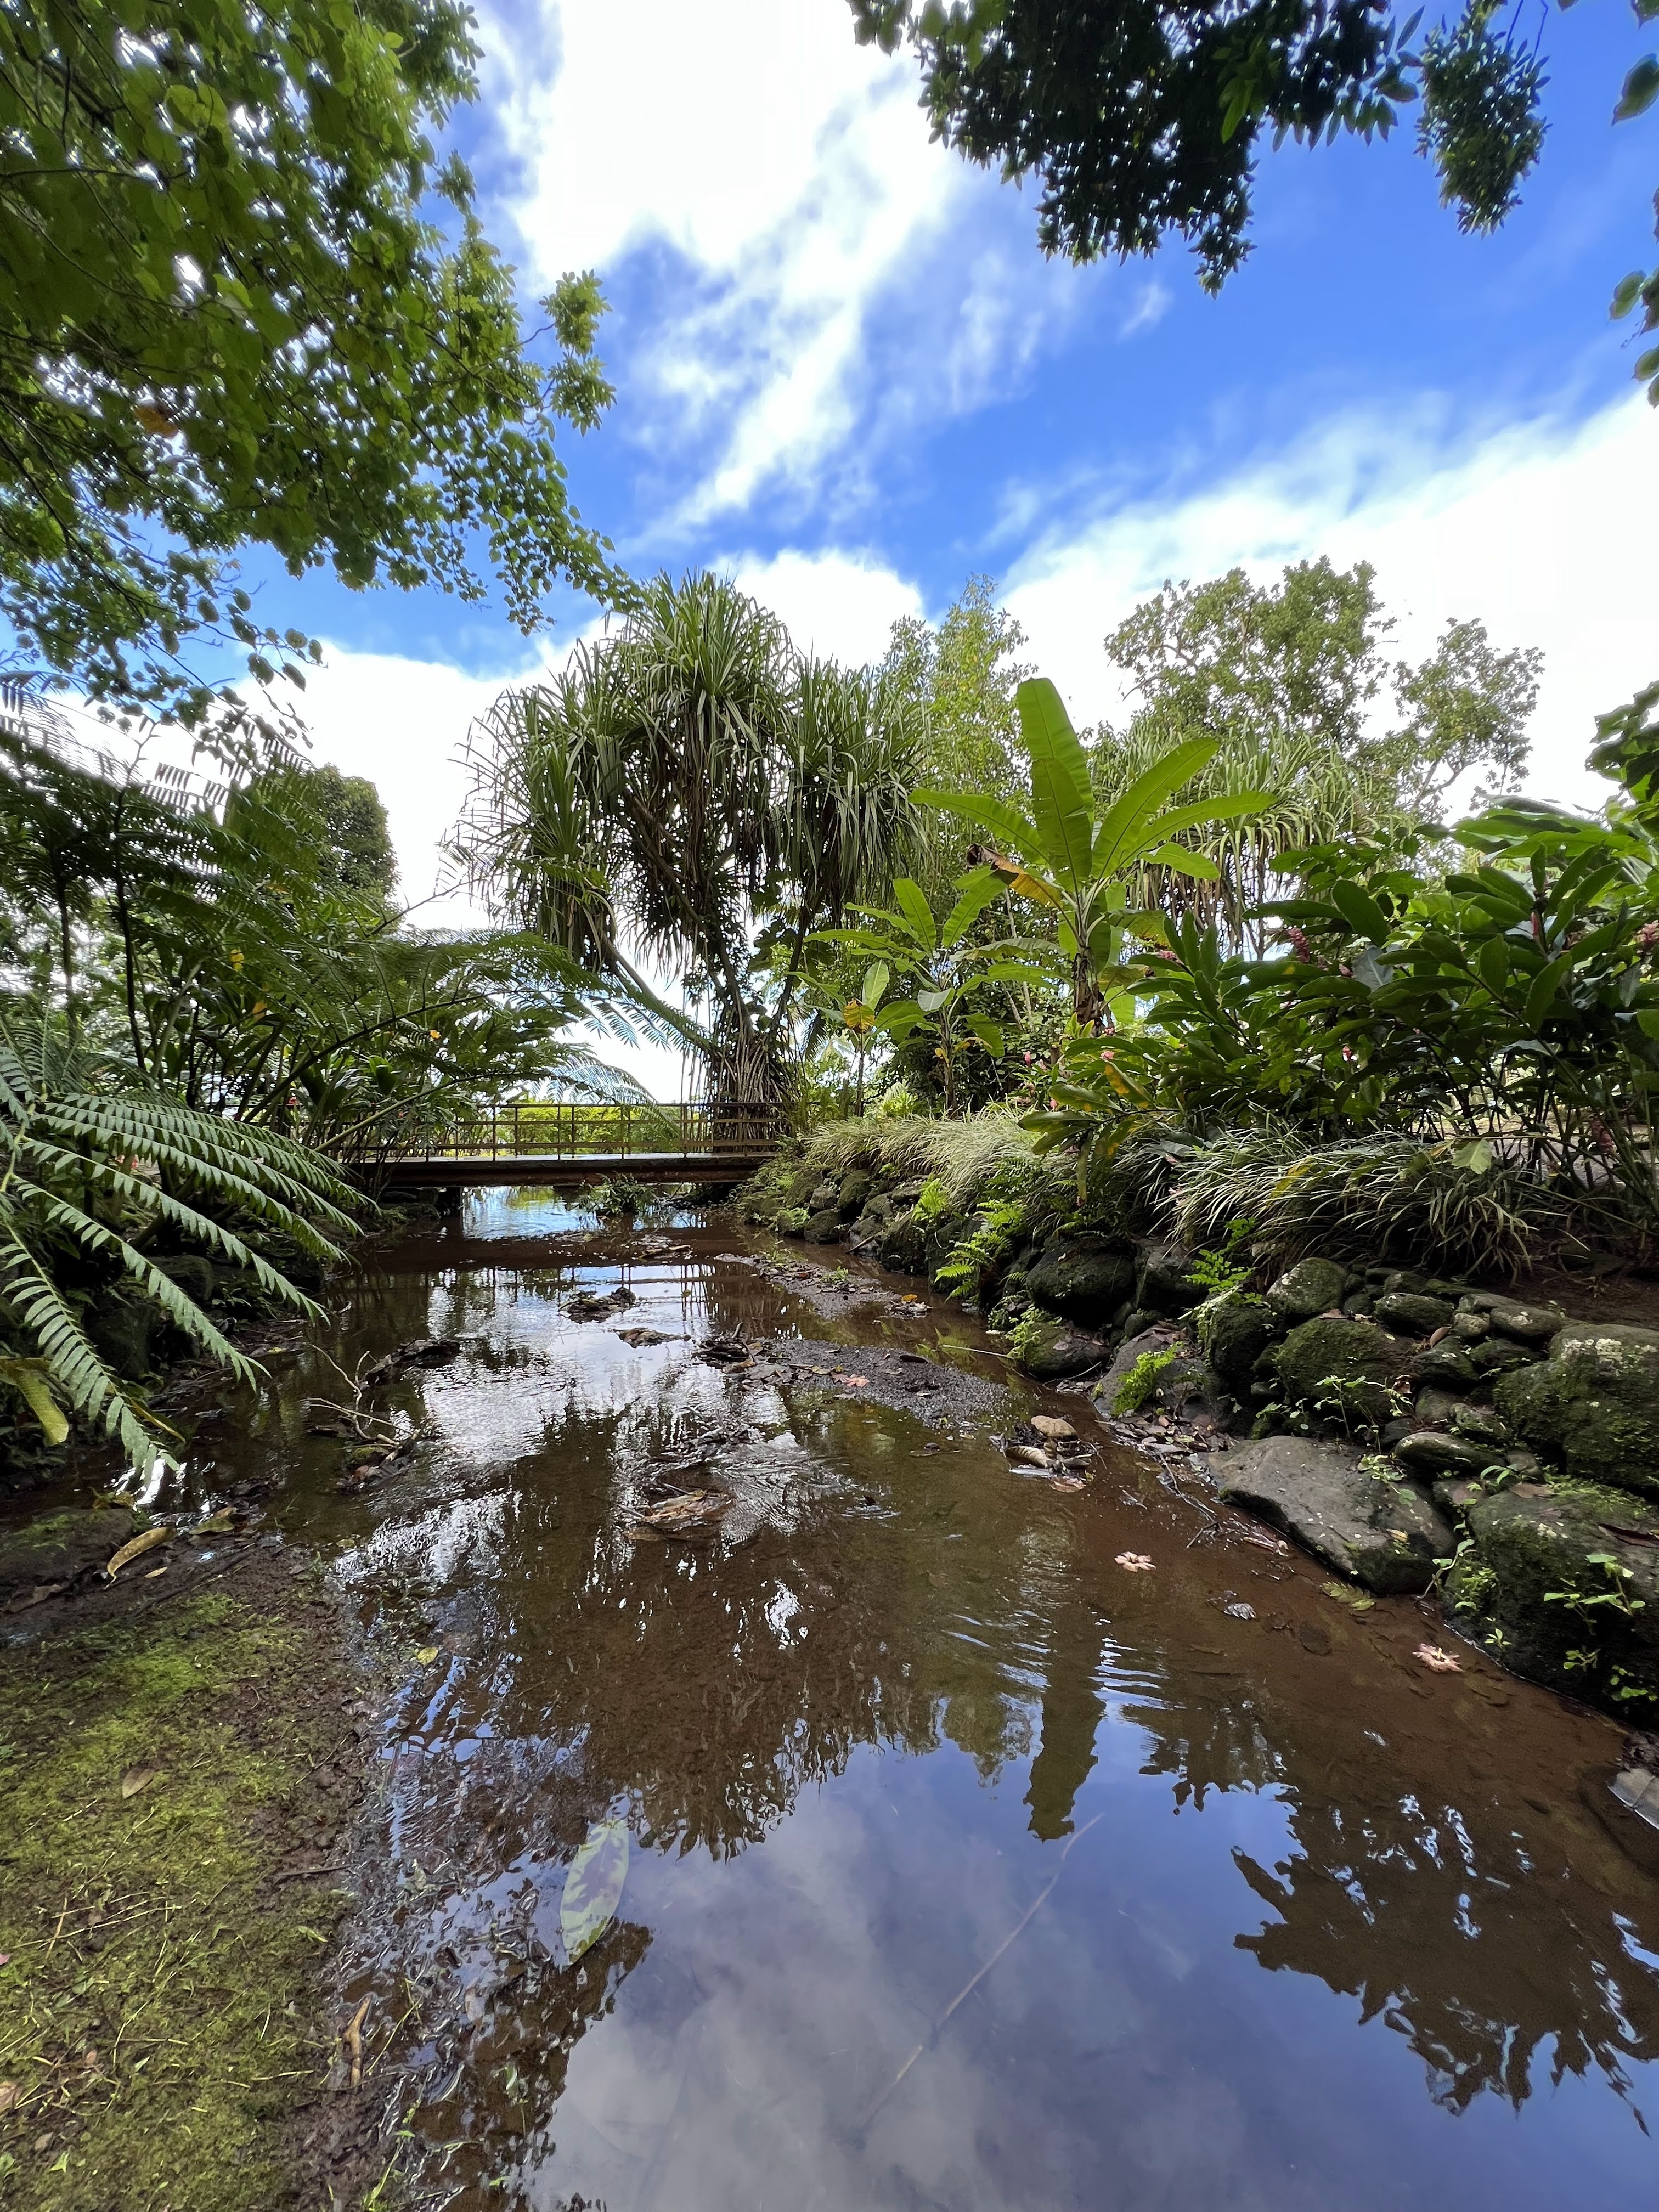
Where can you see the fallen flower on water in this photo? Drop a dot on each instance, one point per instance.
(1136, 1562)
(1442, 1661)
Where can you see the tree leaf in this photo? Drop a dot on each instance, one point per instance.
(594, 1887)
(913, 904)
(1062, 798)
(1360, 911)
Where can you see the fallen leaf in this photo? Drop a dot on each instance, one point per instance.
(137, 1779)
(1136, 1562)
(856, 1381)
(1356, 1601)
(150, 1573)
(594, 1887)
(1441, 1662)
(10, 2094)
(1068, 1482)
(135, 1548)
(426, 1653)
(215, 1522)
(641, 1337)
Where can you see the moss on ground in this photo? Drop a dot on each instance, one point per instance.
(157, 1985)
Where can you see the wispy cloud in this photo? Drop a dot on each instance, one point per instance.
(829, 277)
(1538, 528)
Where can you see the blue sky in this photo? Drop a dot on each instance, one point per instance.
(845, 373)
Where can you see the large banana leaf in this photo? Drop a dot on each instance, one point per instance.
(1127, 826)
(1062, 798)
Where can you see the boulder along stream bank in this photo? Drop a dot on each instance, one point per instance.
(656, 1717)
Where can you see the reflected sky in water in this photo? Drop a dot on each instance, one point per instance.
(969, 1869)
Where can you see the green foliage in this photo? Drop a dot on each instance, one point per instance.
(1286, 679)
(1143, 118)
(93, 1170)
(1138, 1384)
(693, 788)
(229, 316)
(238, 948)
(1480, 124)
(1073, 856)
(962, 678)
(948, 969)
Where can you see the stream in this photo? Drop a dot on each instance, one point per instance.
(966, 1867)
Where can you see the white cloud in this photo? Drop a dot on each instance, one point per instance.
(792, 169)
(402, 723)
(834, 604)
(1537, 528)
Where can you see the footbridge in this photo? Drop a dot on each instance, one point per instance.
(566, 1143)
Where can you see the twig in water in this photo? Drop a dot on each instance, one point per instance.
(970, 1986)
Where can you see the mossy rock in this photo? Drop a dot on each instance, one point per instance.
(1560, 1586)
(1234, 1331)
(823, 1227)
(904, 1244)
(122, 1325)
(1164, 1283)
(854, 1191)
(1312, 1286)
(1592, 1407)
(193, 1274)
(1083, 1279)
(1048, 1349)
(792, 1221)
(1344, 1370)
(1387, 1536)
(1413, 1313)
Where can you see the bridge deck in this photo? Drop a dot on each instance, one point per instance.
(438, 1171)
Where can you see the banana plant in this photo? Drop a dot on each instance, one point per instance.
(861, 1017)
(947, 974)
(1076, 859)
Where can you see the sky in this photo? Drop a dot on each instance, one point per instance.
(846, 375)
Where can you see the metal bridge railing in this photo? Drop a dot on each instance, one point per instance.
(562, 1129)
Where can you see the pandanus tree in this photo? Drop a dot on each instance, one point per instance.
(1076, 856)
(688, 787)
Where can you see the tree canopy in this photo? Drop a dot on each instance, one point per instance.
(1294, 684)
(229, 318)
(1141, 118)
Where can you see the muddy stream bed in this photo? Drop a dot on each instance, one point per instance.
(965, 1866)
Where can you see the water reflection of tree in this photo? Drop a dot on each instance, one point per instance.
(709, 1687)
(1480, 1953)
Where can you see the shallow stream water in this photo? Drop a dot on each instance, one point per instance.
(967, 1867)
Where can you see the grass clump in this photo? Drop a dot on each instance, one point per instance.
(155, 1989)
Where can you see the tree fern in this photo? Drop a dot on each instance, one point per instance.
(81, 1161)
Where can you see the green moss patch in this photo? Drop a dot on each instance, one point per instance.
(157, 1983)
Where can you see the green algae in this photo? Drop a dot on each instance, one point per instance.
(157, 1987)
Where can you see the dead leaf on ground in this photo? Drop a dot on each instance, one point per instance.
(855, 1382)
(137, 1779)
(426, 1653)
(1068, 1482)
(1137, 1563)
(135, 1548)
(10, 2096)
(639, 1337)
(1442, 1662)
